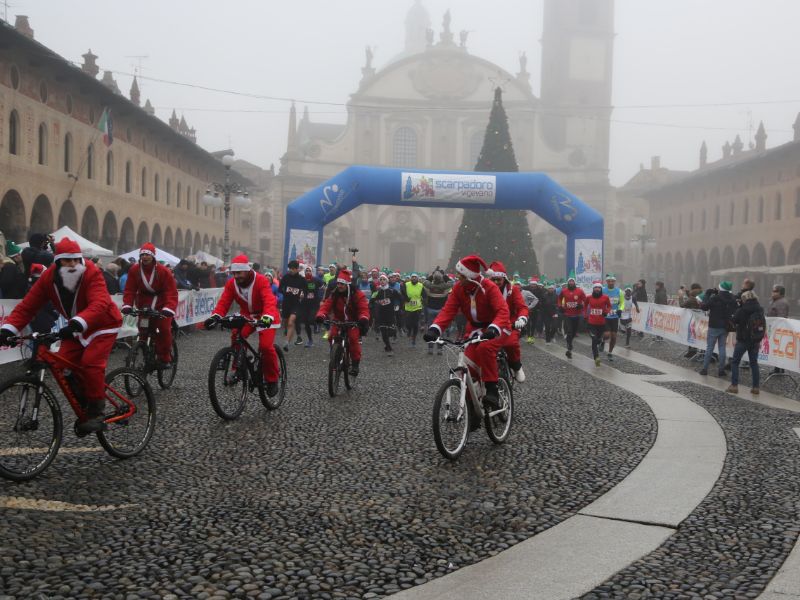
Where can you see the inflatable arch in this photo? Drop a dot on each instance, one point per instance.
(307, 215)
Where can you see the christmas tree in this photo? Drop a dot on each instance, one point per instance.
(501, 235)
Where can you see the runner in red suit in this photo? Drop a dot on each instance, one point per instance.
(517, 316)
(78, 291)
(253, 293)
(598, 305)
(347, 303)
(571, 303)
(479, 300)
(151, 285)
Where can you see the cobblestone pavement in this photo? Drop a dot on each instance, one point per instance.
(328, 498)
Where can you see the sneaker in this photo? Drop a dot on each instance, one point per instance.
(703, 371)
(309, 344)
(354, 369)
(610, 357)
(520, 376)
(733, 389)
(597, 362)
(491, 400)
(755, 391)
(91, 425)
(298, 341)
(569, 353)
(529, 339)
(286, 347)
(390, 352)
(325, 336)
(272, 388)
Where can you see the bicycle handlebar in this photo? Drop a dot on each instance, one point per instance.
(460, 343)
(239, 321)
(146, 312)
(341, 323)
(42, 338)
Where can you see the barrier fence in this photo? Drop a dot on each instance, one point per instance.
(193, 307)
(779, 348)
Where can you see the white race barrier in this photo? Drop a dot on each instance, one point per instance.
(193, 307)
(779, 348)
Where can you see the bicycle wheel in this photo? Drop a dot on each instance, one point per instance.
(450, 420)
(27, 445)
(334, 369)
(136, 360)
(498, 425)
(127, 437)
(277, 399)
(227, 383)
(167, 376)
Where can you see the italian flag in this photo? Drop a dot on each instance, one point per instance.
(106, 125)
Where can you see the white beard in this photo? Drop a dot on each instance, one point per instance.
(70, 277)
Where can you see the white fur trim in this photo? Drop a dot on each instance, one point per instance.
(465, 271)
(68, 255)
(168, 310)
(81, 322)
(150, 252)
(11, 328)
(239, 267)
(496, 328)
(85, 341)
(439, 329)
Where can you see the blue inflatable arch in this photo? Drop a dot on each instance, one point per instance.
(307, 215)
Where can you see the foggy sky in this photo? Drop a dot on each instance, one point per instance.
(666, 52)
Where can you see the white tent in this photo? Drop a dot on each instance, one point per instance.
(206, 257)
(88, 248)
(161, 256)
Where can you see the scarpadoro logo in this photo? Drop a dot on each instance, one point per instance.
(480, 189)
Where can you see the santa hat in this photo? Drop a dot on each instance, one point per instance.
(596, 284)
(383, 277)
(67, 248)
(344, 277)
(497, 269)
(534, 281)
(240, 263)
(471, 266)
(572, 279)
(147, 248)
(36, 270)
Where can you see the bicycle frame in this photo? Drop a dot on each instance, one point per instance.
(239, 341)
(46, 360)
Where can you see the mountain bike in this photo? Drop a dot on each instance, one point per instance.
(459, 403)
(236, 372)
(31, 422)
(339, 362)
(142, 354)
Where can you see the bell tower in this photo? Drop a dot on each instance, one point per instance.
(577, 61)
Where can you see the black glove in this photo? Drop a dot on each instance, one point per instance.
(126, 310)
(211, 321)
(431, 335)
(363, 326)
(5, 338)
(69, 330)
(489, 333)
(320, 319)
(167, 314)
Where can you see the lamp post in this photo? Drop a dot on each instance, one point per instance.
(213, 199)
(643, 240)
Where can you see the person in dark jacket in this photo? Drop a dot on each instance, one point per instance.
(745, 342)
(47, 316)
(111, 275)
(721, 305)
(38, 251)
(181, 273)
(386, 301)
(13, 282)
(661, 294)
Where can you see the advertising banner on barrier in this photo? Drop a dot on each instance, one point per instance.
(779, 348)
(193, 307)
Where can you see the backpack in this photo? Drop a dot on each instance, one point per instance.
(730, 307)
(756, 326)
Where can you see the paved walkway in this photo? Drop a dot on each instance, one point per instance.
(633, 519)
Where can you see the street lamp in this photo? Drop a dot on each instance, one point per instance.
(219, 194)
(644, 241)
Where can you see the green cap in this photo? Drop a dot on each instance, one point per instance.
(725, 286)
(12, 249)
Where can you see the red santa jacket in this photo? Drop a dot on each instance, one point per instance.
(93, 308)
(597, 309)
(572, 301)
(159, 291)
(255, 301)
(352, 306)
(516, 303)
(483, 306)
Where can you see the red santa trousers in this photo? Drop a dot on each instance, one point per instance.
(92, 360)
(353, 335)
(269, 358)
(511, 345)
(163, 339)
(485, 356)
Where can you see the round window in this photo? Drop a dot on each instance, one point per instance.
(14, 77)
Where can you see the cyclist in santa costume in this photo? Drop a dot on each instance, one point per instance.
(253, 293)
(486, 311)
(153, 286)
(347, 303)
(77, 290)
(517, 315)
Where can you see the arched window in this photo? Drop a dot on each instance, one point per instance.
(178, 194)
(197, 202)
(168, 191)
(669, 226)
(90, 162)
(733, 212)
(746, 211)
(110, 168)
(68, 153)
(691, 222)
(42, 144)
(761, 210)
(778, 206)
(404, 147)
(703, 220)
(128, 182)
(13, 133)
(144, 182)
(716, 217)
(188, 197)
(156, 188)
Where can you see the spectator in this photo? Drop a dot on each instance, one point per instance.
(690, 300)
(182, 275)
(778, 307)
(748, 285)
(661, 294)
(47, 316)
(38, 251)
(110, 274)
(13, 282)
(751, 326)
(721, 306)
(256, 268)
(640, 291)
(220, 278)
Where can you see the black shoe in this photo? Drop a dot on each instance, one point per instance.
(491, 400)
(91, 425)
(272, 389)
(703, 371)
(569, 353)
(354, 369)
(298, 341)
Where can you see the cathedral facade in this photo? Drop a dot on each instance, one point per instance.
(428, 108)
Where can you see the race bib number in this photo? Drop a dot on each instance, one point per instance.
(310, 295)
(384, 301)
(615, 301)
(293, 291)
(414, 303)
(596, 311)
(572, 305)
